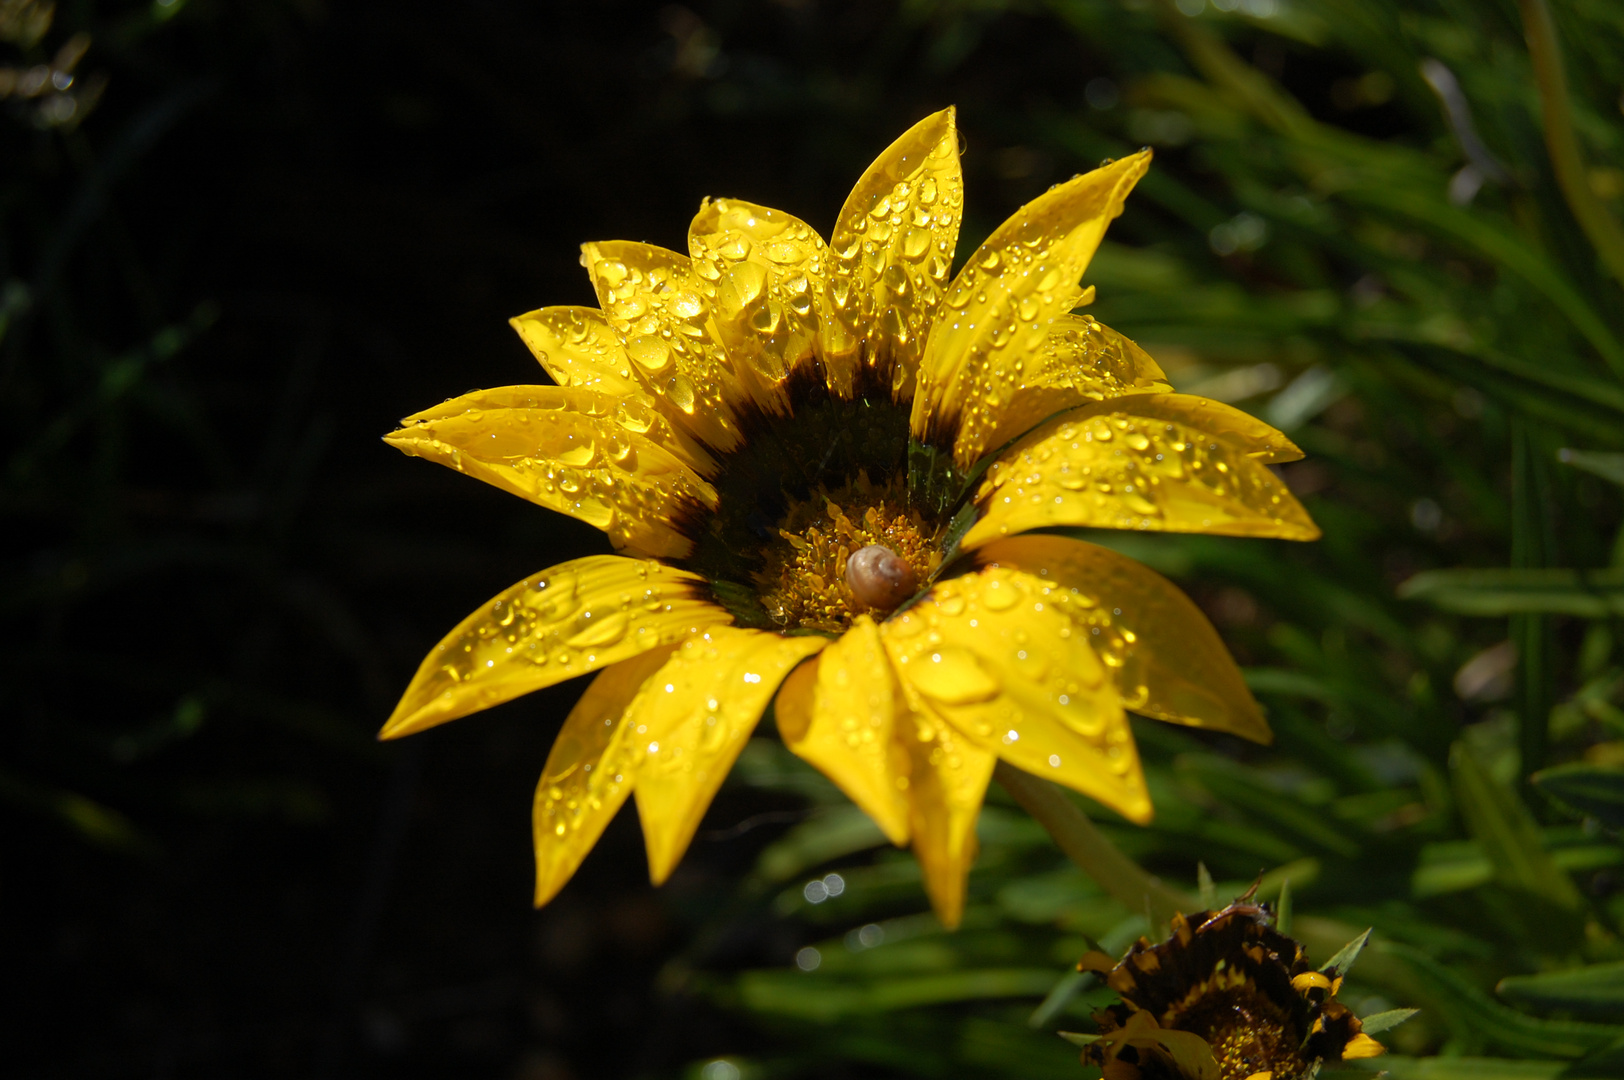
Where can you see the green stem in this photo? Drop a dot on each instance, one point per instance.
(1086, 846)
(1562, 144)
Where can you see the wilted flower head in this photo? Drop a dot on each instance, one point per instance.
(814, 459)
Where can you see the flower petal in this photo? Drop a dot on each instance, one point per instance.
(634, 413)
(1000, 308)
(692, 717)
(947, 782)
(1362, 1046)
(578, 348)
(577, 617)
(589, 772)
(1230, 426)
(1008, 668)
(1081, 362)
(893, 247)
(662, 311)
(767, 270)
(1115, 470)
(839, 713)
(1161, 652)
(579, 452)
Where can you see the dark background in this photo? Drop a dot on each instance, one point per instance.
(285, 225)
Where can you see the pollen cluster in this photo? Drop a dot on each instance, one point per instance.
(1248, 1033)
(803, 583)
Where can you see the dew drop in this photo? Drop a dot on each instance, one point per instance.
(596, 629)
(998, 596)
(681, 393)
(580, 455)
(740, 287)
(952, 676)
(649, 353)
(915, 243)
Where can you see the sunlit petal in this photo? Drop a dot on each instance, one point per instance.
(947, 780)
(589, 772)
(662, 311)
(893, 248)
(1159, 650)
(1009, 670)
(692, 718)
(575, 618)
(578, 348)
(1001, 307)
(579, 452)
(1120, 471)
(1229, 426)
(840, 712)
(632, 412)
(767, 269)
(1082, 361)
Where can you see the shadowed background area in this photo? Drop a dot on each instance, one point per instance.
(239, 240)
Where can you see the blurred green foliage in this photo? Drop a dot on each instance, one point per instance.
(276, 225)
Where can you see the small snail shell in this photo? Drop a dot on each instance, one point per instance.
(879, 578)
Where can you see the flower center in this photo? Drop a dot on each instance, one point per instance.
(1247, 1032)
(841, 553)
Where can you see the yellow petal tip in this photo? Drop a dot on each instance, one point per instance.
(401, 724)
(1362, 1046)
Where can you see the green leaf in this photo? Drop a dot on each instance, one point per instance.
(1072, 983)
(1385, 1021)
(1459, 1068)
(1448, 866)
(988, 1046)
(1590, 594)
(1596, 991)
(1469, 1010)
(1606, 466)
(1597, 790)
(1248, 790)
(1204, 886)
(1282, 908)
(1606, 1064)
(1338, 965)
(1501, 823)
(810, 997)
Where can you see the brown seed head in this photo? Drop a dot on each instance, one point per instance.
(879, 578)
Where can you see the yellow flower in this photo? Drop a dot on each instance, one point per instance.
(745, 420)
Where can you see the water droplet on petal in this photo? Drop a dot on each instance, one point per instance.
(596, 629)
(681, 393)
(998, 596)
(952, 676)
(649, 353)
